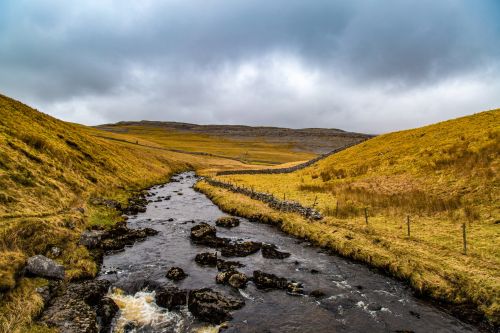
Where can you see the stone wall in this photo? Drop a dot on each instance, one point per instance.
(289, 169)
(269, 199)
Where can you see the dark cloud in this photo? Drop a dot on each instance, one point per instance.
(362, 65)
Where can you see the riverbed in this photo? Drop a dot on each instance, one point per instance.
(356, 298)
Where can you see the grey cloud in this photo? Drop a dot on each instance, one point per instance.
(178, 60)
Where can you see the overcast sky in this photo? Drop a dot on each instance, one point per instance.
(361, 65)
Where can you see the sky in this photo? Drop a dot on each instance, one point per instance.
(370, 66)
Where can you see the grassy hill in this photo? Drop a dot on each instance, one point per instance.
(441, 177)
(256, 145)
(49, 169)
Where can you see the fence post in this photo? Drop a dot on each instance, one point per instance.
(284, 196)
(408, 224)
(464, 234)
(366, 215)
(337, 209)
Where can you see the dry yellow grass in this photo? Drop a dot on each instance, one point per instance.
(442, 176)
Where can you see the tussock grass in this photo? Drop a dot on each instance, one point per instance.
(442, 176)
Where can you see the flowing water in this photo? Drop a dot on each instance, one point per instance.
(357, 299)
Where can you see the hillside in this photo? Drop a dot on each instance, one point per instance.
(243, 142)
(441, 177)
(49, 171)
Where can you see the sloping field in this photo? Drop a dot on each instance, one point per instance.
(442, 177)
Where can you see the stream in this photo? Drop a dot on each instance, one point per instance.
(357, 299)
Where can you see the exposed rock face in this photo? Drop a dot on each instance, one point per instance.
(270, 251)
(170, 297)
(224, 265)
(206, 259)
(232, 278)
(240, 249)
(211, 306)
(80, 307)
(294, 288)
(42, 266)
(268, 281)
(227, 222)
(176, 274)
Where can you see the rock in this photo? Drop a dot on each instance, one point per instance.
(317, 293)
(176, 274)
(130, 327)
(55, 251)
(270, 251)
(374, 307)
(227, 222)
(44, 267)
(268, 281)
(73, 310)
(211, 306)
(224, 265)
(202, 231)
(294, 288)
(238, 280)
(205, 234)
(240, 249)
(106, 311)
(91, 239)
(206, 259)
(170, 219)
(170, 297)
(232, 278)
(314, 271)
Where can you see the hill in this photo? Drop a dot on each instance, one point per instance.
(441, 177)
(247, 143)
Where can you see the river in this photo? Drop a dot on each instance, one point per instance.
(357, 298)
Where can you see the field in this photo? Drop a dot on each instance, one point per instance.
(50, 169)
(442, 177)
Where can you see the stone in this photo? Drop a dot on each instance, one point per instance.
(227, 222)
(170, 297)
(206, 259)
(91, 239)
(240, 249)
(268, 281)
(270, 251)
(202, 231)
(211, 306)
(317, 293)
(224, 265)
(106, 311)
(176, 274)
(44, 267)
(294, 288)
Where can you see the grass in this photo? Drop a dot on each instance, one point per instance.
(49, 170)
(441, 176)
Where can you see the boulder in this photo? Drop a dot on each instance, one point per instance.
(224, 265)
(44, 267)
(317, 293)
(227, 222)
(240, 249)
(294, 288)
(202, 231)
(176, 274)
(269, 281)
(270, 251)
(232, 278)
(91, 239)
(106, 311)
(170, 297)
(211, 306)
(206, 259)
(74, 310)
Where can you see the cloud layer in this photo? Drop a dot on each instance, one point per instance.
(364, 65)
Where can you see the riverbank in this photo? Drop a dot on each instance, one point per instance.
(461, 293)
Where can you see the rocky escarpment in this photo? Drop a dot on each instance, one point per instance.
(269, 199)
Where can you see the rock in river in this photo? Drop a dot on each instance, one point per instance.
(170, 297)
(240, 249)
(42, 266)
(269, 281)
(270, 251)
(206, 259)
(211, 306)
(176, 274)
(233, 278)
(224, 265)
(227, 222)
